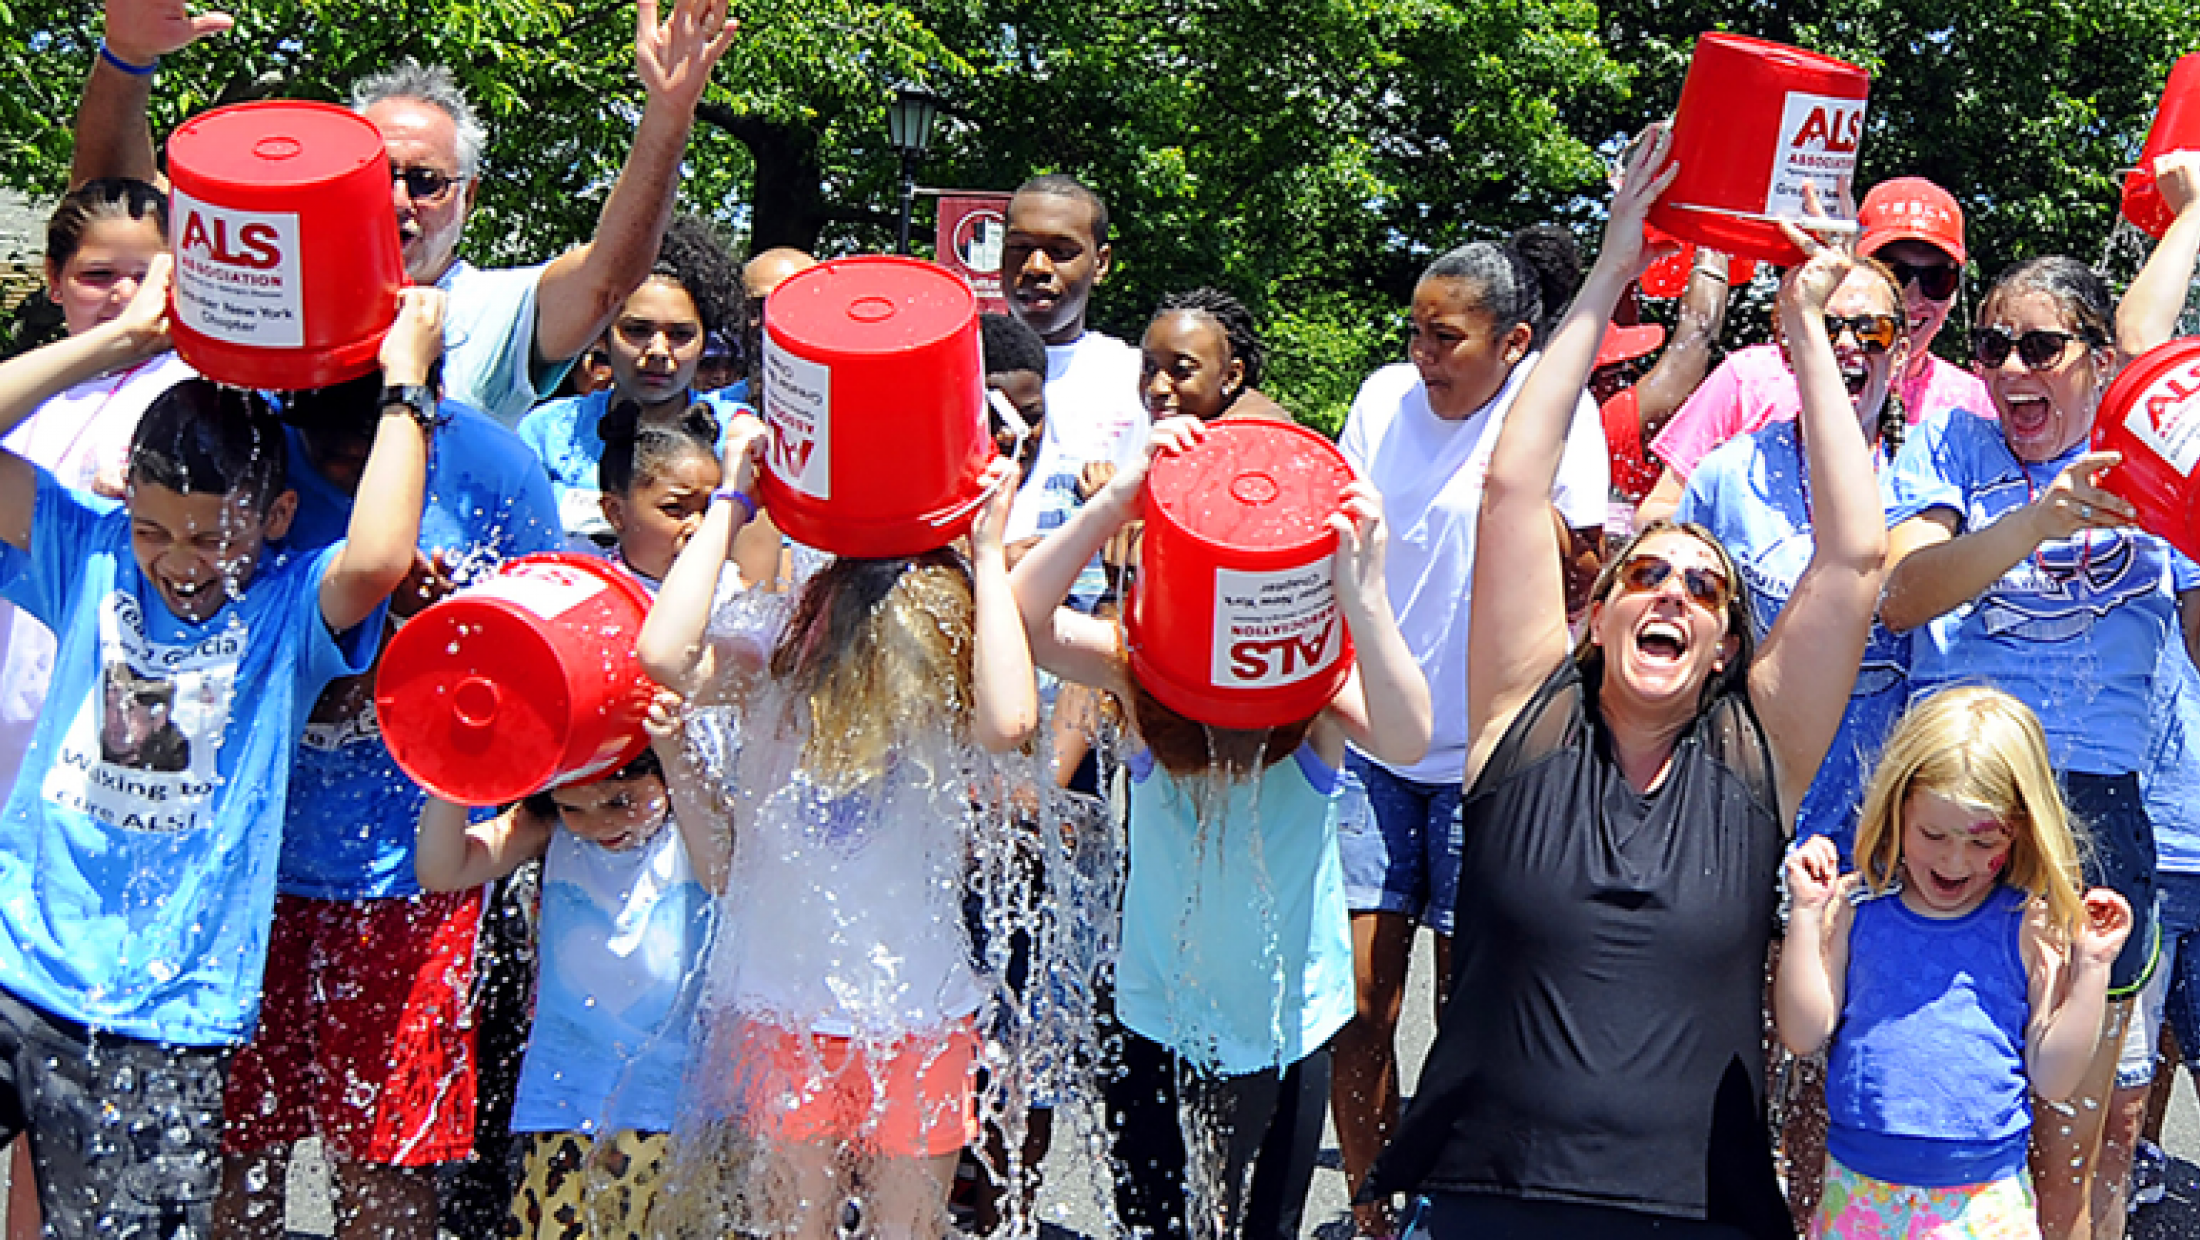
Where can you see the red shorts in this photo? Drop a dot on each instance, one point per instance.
(366, 1036)
(914, 1098)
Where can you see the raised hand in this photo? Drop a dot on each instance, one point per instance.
(1000, 483)
(415, 339)
(1357, 568)
(664, 720)
(2101, 935)
(2177, 176)
(1814, 873)
(142, 31)
(747, 438)
(674, 59)
(144, 322)
(1646, 169)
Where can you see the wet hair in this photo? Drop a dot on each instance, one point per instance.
(1009, 344)
(692, 256)
(198, 438)
(434, 86)
(1740, 624)
(1894, 420)
(1186, 747)
(1237, 327)
(636, 453)
(544, 804)
(1529, 278)
(2078, 291)
(881, 651)
(95, 202)
(1063, 185)
(1984, 750)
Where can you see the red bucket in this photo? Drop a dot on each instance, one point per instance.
(2176, 128)
(1757, 121)
(875, 395)
(1668, 277)
(2151, 414)
(1233, 621)
(287, 258)
(523, 682)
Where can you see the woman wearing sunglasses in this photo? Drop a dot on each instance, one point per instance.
(2016, 566)
(1601, 1070)
(1916, 229)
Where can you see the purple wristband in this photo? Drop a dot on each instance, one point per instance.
(747, 505)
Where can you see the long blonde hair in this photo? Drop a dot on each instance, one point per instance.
(1983, 750)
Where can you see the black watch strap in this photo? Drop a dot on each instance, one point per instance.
(418, 399)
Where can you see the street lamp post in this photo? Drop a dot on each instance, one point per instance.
(909, 129)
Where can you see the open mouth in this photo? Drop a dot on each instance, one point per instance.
(2027, 415)
(1662, 641)
(1946, 888)
(1856, 375)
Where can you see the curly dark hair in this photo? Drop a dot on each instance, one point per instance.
(692, 256)
(1233, 318)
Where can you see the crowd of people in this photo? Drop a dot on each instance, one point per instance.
(1793, 763)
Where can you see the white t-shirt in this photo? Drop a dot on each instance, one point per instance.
(1430, 472)
(76, 435)
(1093, 414)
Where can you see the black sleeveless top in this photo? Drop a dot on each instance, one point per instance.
(1604, 1041)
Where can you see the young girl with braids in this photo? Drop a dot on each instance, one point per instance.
(656, 483)
(1202, 357)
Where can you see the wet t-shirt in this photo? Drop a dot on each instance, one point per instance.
(354, 816)
(2073, 630)
(138, 847)
(2171, 776)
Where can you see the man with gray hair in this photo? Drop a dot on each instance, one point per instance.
(510, 334)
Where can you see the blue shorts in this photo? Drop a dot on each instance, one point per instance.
(1399, 839)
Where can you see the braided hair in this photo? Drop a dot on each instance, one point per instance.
(1236, 323)
(636, 453)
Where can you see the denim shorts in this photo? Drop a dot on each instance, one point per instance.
(1399, 839)
(2119, 855)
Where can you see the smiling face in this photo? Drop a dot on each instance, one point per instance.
(1185, 367)
(656, 519)
(1455, 345)
(1867, 375)
(1952, 855)
(617, 814)
(101, 277)
(655, 344)
(1049, 262)
(1661, 645)
(418, 134)
(2044, 413)
(1920, 314)
(198, 550)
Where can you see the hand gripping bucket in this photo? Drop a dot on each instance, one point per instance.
(1668, 277)
(2151, 414)
(2176, 128)
(1757, 121)
(287, 257)
(875, 395)
(523, 682)
(1233, 620)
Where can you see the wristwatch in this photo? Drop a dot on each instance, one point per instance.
(417, 399)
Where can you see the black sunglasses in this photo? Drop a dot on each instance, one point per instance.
(424, 184)
(1875, 333)
(1645, 573)
(1937, 281)
(2038, 349)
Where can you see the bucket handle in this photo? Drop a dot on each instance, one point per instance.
(958, 512)
(1820, 225)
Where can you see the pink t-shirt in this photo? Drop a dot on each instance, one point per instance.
(1754, 387)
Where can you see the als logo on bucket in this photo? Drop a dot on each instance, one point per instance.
(237, 274)
(798, 406)
(2166, 417)
(1275, 628)
(1819, 135)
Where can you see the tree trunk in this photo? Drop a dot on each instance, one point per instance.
(787, 203)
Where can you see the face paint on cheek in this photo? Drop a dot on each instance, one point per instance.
(1995, 863)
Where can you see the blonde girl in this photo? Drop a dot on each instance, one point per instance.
(1957, 972)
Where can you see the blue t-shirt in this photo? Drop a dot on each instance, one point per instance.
(489, 341)
(1754, 493)
(622, 934)
(137, 849)
(353, 819)
(2073, 630)
(1237, 950)
(2171, 776)
(566, 434)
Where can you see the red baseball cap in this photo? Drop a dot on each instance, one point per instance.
(1911, 209)
(1623, 342)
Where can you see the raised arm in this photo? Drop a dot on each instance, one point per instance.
(1806, 669)
(113, 138)
(383, 536)
(671, 642)
(1519, 631)
(583, 288)
(1687, 357)
(30, 379)
(1814, 962)
(457, 855)
(2147, 316)
(1384, 708)
(704, 819)
(2069, 995)
(1006, 692)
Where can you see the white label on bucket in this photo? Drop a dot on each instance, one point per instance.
(798, 406)
(1274, 628)
(2166, 417)
(547, 590)
(237, 274)
(1818, 139)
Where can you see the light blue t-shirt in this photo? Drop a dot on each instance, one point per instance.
(2073, 630)
(567, 435)
(1753, 493)
(1237, 950)
(622, 936)
(489, 341)
(137, 849)
(2171, 776)
(353, 819)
